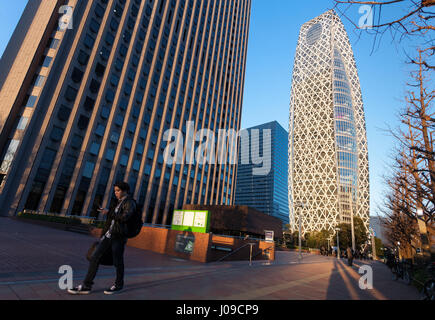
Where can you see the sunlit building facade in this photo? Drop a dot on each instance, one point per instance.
(86, 103)
(328, 155)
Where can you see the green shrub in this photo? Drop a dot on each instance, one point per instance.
(420, 276)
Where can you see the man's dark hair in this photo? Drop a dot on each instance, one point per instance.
(123, 186)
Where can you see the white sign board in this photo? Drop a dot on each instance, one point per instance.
(269, 235)
(200, 219)
(178, 218)
(188, 218)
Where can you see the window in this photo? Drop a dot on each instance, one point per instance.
(47, 62)
(131, 127)
(105, 112)
(56, 134)
(126, 36)
(119, 119)
(94, 25)
(89, 41)
(99, 11)
(123, 104)
(10, 153)
(83, 58)
(39, 82)
(22, 123)
(128, 143)
(118, 64)
(63, 113)
(147, 169)
(31, 101)
(94, 86)
(114, 137)
(140, 148)
(76, 142)
(114, 80)
(89, 104)
(54, 43)
(130, 23)
(131, 74)
(118, 10)
(95, 147)
(134, 11)
(123, 50)
(99, 69)
(123, 161)
(110, 154)
(142, 34)
(70, 93)
(77, 75)
(110, 39)
(136, 111)
(127, 89)
(99, 131)
(114, 24)
(136, 165)
(104, 53)
(89, 169)
(150, 154)
(83, 122)
(110, 95)
(135, 60)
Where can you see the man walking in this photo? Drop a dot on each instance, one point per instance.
(114, 239)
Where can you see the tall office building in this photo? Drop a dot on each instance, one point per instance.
(265, 191)
(328, 156)
(87, 105)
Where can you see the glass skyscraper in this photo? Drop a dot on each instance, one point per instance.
(87, 102)
(268, 193)
(328, 155)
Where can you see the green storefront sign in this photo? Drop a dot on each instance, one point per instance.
(189, 220)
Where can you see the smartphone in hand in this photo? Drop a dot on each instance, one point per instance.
(103, 210)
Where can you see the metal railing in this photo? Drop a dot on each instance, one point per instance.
(237, 250)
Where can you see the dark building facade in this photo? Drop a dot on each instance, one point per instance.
(91, 102)
(267, 193)
(239, 221)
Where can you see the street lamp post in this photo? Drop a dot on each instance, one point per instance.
(351, 219)
(338, 244)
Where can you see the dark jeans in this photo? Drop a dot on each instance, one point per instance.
(117, 246)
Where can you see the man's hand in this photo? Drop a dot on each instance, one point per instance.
(103, 210)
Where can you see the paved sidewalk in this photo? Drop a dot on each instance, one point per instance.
(30, 257)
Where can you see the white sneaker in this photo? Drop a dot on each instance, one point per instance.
(81, 289)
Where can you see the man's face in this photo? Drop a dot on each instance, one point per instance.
(119, 193)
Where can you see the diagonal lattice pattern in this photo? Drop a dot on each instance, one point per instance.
(328, 154)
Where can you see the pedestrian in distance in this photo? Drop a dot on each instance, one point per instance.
(114, 239)
(349, 256)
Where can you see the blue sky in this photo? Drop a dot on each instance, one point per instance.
(273, 36)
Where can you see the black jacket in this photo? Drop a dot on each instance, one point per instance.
(126, 210)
